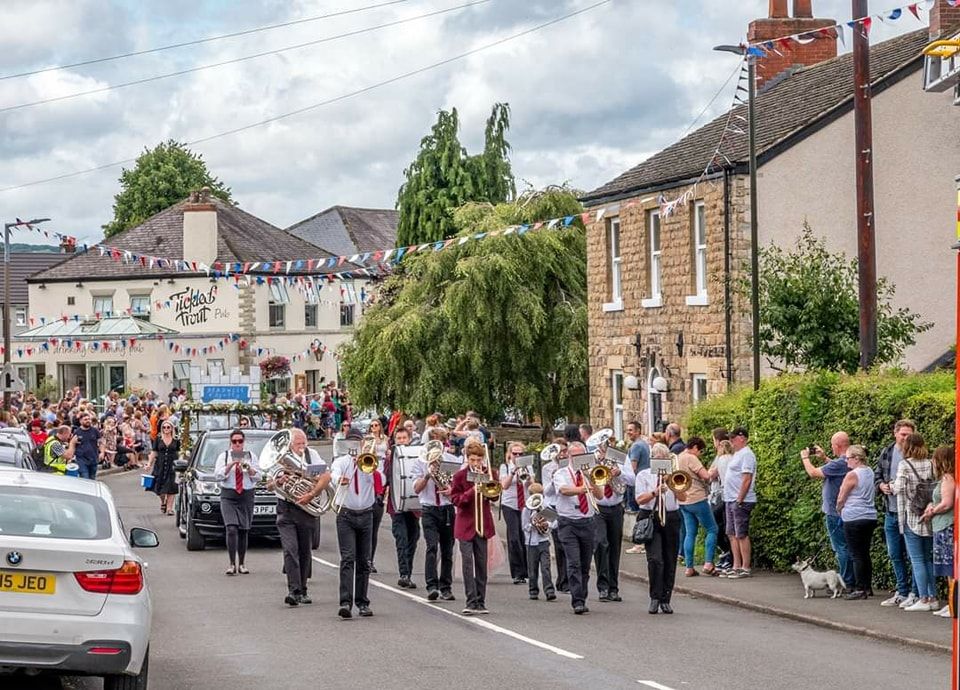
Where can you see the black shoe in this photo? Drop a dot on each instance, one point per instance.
(580, 609)
(534, 597)
(586, 609)
(519, 580)
(469, 611)
(403, 583)
(604, 596)
(291, 600)
(481, 609)
(563, 590)
(373, 568)
(365, 611)
(433, 595)
(665, 607)
(551, 597)
(344, 612)
(615, 596)
(654, 606)
(856, 594)
(304, 599)
(447, 596)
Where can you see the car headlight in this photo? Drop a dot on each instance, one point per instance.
(211, 488)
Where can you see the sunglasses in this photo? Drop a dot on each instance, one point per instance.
(236, 440)
(516, 454)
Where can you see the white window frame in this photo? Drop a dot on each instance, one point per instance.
(141, 312)
(699, 240)
(278, 292)
(181, 370)
(282, 325)
(20, 316)
(654, 256)
(315, 309)
(100, 299)
(612, 242)
(694, 389)
(616, 398)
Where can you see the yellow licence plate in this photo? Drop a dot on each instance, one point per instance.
(27, 582)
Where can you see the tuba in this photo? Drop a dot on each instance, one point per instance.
(433, 455)
(276, 462)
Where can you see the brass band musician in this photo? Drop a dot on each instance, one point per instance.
(437, 515)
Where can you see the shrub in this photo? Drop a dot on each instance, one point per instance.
(793, 411)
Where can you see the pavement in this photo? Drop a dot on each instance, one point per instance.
(212, 631)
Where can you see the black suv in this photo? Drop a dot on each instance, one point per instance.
(198, 502)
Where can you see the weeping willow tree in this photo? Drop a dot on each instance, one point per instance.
(489, 325)
(444, 177)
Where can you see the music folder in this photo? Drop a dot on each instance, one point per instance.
(584, 461)
(450, 467)
(616, 455)
(548, 514)
(524, 461)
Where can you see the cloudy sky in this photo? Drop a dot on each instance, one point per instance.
(590, 96)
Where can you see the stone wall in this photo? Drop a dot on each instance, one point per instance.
(614, 332)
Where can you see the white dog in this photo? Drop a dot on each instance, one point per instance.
(813, 580)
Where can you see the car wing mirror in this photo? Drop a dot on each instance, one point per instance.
(143, 538)
(180, 465)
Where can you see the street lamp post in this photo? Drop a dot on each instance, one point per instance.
(6, 293)
(754, 233)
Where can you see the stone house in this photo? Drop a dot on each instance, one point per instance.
(670, 239)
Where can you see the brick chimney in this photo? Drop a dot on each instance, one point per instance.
(780, 24)
(200, 228)
(944, 20)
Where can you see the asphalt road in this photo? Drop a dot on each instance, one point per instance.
(211, 631)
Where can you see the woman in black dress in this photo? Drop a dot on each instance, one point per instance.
(166, 449)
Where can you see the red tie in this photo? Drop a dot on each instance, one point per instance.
(377, 483)
(521, 502)
(356, 483)
(607, 491)
(238, 473)
(582, 498)
(436, 492)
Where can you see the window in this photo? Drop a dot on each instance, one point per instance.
(278, 313)
(140, 305)
(278, 292)
(310, 315)
(71, 301)
(103, 304)
(616, 384)
(346, 314)
(699, 241)
(214, 365)
(698, 384)
(181, 371)
(653, 245)
(614, 275)
(311, 294)
(20, 316)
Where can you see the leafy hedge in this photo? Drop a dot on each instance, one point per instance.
(790, 412)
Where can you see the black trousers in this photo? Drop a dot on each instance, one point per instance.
(662, 556)
(576, 539)
(720, 515)
(562, 583)
(438, 533)
(354, 529)
(378, 509)
(516, 549)
(406, 533)
(609, 524)
(473, 554)
(859, 534)
(297, 531)
(538, 567)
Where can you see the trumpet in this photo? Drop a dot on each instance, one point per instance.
(364, 460)
(522, 473)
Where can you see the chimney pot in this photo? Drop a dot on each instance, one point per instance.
(803, 9)
(778, 9)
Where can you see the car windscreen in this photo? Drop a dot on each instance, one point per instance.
(35, 512)
(214, 446)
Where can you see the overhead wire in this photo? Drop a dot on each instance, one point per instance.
(329, 101)
(232, 61)
(200, 41)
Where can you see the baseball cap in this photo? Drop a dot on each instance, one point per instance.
(740, 431)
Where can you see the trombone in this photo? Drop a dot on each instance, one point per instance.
(365, 460)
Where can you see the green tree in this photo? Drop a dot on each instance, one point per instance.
(810, 313)
(161, 177)
(443, 177)
(489, 325)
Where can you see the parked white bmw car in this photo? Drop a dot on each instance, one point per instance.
(73, 593)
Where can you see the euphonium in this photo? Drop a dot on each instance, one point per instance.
(534, 502)
(678, 481)
(276, 462)
(600, 475)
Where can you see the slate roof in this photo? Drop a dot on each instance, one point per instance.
(112, 327)
(22, 266)
(346, 231)
(241, 237)
(786, 110)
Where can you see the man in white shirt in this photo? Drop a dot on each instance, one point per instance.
(609, 523)
(512, 502)
(740, 497)
(576, 529)
(437, 517)
(354, 528)
(550, 499)
(406, 524)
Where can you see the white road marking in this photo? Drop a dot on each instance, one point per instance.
(654, 684)
(487, 625)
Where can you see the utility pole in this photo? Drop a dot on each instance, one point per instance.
(866, 218)
(6, 294)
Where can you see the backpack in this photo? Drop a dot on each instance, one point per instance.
(923, 494)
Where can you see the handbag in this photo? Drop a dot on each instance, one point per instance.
(643, 529)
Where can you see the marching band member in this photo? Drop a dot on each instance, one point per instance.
(609, 525)
(354, 528)
(536, 531)
(576, 525)
(298, 529)
(376, 430)
(472, 537)
(662, 551)
(406, 524)
(512, 502)
(550, 499)
(237, 472)
(437, 517)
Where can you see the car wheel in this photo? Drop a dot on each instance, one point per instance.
(195, 540)
(125, 682)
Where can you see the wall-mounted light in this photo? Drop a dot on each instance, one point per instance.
(79, 284)
(631, 382)
(680, 344)
(660, 384)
